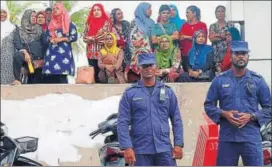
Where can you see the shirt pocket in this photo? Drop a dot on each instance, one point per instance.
(139, 107)
(164, 108)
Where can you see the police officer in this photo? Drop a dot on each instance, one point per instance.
(146, 106)
(239, 91)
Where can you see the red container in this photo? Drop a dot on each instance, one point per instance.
(207, 144)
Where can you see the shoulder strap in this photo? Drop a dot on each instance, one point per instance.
(164, 31)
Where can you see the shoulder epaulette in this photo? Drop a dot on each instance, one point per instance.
(255, 74)
(131, 86)
(222, 73)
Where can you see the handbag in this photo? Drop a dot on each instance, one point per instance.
(85, 75)
(36, 63)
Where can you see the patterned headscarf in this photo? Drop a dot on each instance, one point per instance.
(29, 32)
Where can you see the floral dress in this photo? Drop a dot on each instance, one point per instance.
(123, 40)
(58, 59)
(219, 47)
(139, 42)
(7, 53)
(94, 47)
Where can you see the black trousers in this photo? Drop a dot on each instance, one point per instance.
(55, 79)
(185, 63)
(18, 63)
(94, 63)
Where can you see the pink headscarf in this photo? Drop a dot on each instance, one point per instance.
(59, 21)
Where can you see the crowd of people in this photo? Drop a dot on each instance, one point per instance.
(40, 49)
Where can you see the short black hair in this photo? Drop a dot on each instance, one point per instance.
(48, 9)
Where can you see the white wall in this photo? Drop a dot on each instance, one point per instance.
(257, 17)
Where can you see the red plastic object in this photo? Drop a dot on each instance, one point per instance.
(207, 143)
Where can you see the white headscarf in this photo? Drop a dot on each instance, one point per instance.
(6, 26)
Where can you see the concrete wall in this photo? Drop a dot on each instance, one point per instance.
(190, 96)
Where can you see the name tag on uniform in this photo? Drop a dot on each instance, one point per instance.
(137, 98)
(226, 85)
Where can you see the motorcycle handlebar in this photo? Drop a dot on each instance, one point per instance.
(95, 133)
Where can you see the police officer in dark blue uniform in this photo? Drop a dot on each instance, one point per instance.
(239, 92)
(146, 106)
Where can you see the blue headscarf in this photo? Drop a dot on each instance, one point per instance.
(196, 10)
(176, 20)
(235, 34)
(198, 53)
(142, 21)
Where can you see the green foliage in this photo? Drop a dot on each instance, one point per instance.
(16, 8)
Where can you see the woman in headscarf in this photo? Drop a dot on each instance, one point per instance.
(174, 17)
(28, 42)
(224, 64)
(7, 47)
(200, 60)
(110, 61)
(41, 20)
(139, 40)
(97, 26)
(217, 33)
(168, 59)
(187, 31)
(164, 27)
(121, 28)
(59, 61)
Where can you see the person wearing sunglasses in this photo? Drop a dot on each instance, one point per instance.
(146, 107)
(239, 92)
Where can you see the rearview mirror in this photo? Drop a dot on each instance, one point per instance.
(28, 144)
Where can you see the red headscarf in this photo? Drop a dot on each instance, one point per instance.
(96, 23)
(59, 21)
(44, 26)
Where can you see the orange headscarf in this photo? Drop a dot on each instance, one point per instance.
(59, 21)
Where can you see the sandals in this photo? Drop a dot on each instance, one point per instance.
(16, 82)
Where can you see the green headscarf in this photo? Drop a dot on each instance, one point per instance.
(163, 56)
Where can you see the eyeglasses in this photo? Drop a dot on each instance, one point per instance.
(145, 66)
(109, 39)
(40, 17)
(240, 53)
(165, 41)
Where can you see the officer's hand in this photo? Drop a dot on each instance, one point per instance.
(129, 156)
(244, 119)
(177, 152)
(231, 116)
